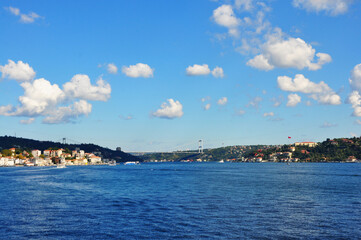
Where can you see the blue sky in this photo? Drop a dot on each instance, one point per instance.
(160, 75)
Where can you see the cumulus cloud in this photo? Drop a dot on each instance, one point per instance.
(225, 17)
(138, 70)
(27, 121)
(56, 105)
(81, 88)
(269, 114)
(320, 92)
(19, 71)
(40, 97)
(293, 100)
(170, 110)
(279, 51)
(218, 72)
(355, 79)
(24, 18)
(355, 100)
(222, 101)
(111, 68)
(68, 113)
(197, 70)
(332, 7)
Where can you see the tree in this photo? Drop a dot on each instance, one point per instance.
(6, 152)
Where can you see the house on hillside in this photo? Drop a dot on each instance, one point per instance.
(307, 144)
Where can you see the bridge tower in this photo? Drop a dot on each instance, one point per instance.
(64, 140)
(200, 146)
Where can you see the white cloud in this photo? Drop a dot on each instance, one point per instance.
(28, 18)
(320, 92)
(254, 102)
(111, 68)
(282, 52)
(14, 11)
(355, 100)
(260, 62)
(138, 70)
(40, 97)
(355, 79)
(207, 106)
(293, 100)
(222, 101)
(328, 125)
(225, 17)
(308, 103)
(56, 105)
(6, 110)
(19, 71)
(245, 5)
(81, 88)
(68, 113)
(170, 110)
(277, 101)
(24, 18)
(197, 70)
(218, 72)
(269, 114)
(333, 7)
(27, 121)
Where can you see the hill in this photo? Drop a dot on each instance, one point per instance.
(331, 150)
(7, 142)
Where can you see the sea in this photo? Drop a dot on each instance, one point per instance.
(182, 201)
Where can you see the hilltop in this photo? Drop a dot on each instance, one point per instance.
(7, 142)
(330, 150)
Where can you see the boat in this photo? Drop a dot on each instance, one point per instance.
(221, 161)
(131, 163)
(112, 163)
(60, 165)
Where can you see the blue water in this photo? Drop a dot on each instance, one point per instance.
(182, 200)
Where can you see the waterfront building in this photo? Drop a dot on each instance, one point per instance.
(36, 153)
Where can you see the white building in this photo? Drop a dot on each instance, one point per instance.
(36, 153)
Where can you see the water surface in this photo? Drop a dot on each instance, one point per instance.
(182, 200)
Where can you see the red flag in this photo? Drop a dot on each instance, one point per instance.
(289, 137)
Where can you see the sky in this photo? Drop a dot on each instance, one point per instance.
(161, 75)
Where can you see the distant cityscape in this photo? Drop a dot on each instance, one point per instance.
(331, 150)
(50, 157)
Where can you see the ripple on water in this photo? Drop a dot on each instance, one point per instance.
(182, 201)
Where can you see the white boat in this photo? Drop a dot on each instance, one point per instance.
(221, 161)
(131, 163)
(61, 165)
(112, 163)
